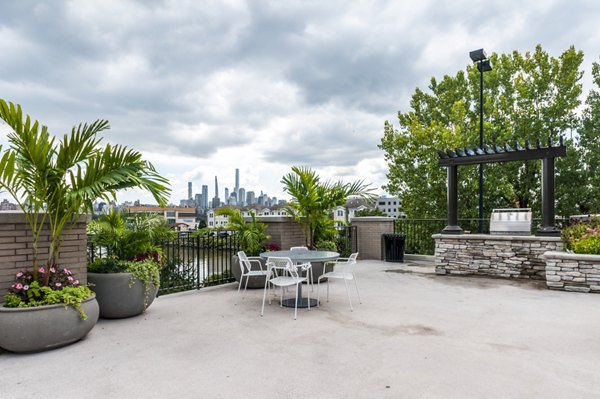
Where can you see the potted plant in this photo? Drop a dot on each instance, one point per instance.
(252, 240)
(55, 181)
(127, 277)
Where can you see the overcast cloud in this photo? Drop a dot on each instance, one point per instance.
(204, 87)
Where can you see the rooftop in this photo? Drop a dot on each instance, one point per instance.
(416, 335)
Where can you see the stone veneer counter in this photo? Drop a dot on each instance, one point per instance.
(493, 255)
(572, 272)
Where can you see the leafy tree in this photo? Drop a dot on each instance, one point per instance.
(526, 97)
(313, 200)
(590, 148)
(370, 212)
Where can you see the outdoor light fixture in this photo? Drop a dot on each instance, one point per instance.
(483, 65)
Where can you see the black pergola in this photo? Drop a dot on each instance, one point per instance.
(451, 159)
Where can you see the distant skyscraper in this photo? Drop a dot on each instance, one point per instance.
(242, 197)
(226, 195)
(216, 202)
(204, 197)
(250, 199)
(237, 183)
(190, 190)
(198, 199)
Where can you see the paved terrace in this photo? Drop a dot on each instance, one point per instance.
(416, 335)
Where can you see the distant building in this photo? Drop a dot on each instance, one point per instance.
(205, 197)
(390, 206)
(343, 214)
(215, 221)
(5, 205)
(174, 215)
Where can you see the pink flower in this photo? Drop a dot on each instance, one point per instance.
(20, 274)
(13, 286)
(76, 282)
(19, 286)
(57, 284)
(52, 270)
(70, 278)
(41, 269)
(25, 287)
(67, 271)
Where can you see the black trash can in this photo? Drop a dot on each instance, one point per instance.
(393, 245)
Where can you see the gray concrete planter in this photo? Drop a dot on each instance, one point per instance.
(45, 327)
(116, 298)
(254, 282)
(572, 272)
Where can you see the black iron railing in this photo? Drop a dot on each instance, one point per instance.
(347, 241)
(192, 262)
(419, 231)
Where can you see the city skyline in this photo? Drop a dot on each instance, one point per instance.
(201, 88)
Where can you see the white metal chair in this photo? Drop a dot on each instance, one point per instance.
(312, 280)
(283, 273)
(343, 270)
(246, 268)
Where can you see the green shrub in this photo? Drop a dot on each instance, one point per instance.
(583, 237)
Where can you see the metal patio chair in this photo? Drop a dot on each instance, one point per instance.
(343, 270)
(247, 272)
(283, 273)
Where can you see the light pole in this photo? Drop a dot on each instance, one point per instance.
(484, 65)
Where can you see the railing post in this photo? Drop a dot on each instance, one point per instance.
(547, 228)
(452, 193)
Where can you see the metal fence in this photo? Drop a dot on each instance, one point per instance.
(419, 231)
(194, 262)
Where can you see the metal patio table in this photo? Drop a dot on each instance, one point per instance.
(302, 257)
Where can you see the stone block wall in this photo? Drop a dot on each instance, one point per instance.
(572, 272)
(16, 250)
(284, 231)
(491, 255)
(369, 230)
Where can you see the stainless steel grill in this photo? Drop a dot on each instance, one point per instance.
(512, 221)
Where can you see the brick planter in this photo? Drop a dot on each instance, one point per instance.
(572, 272)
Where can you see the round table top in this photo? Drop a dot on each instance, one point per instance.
(303, 256)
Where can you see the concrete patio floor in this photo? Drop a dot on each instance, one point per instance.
(416, 335)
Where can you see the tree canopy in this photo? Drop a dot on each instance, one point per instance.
(526, 97)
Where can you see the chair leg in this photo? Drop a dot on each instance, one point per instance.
(318, 292)
(348, 292)
(357, 294)
(245, 286)
(262, 311)
(308, 296)
(239, 286)
(328, 290)
(296, 307)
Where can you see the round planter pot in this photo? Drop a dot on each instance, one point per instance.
(45, 327)
(116, 298)
(254, 282)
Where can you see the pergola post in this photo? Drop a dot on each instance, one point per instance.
(547, 228)
(452, 192)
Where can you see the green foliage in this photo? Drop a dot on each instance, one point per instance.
(251, 234)
(44, 295)
(526, 97)
(326, 245)
(313, 200)
(583, 237)
(54, 181)
(370, 212)
(130, 237)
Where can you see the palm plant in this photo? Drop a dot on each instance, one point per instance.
(54, 181)
(130, 237)
(251, 234)
(313, 200)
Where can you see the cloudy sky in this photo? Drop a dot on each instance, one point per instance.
(204, 87)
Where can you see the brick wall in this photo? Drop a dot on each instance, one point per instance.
(572, 272)
(284, 231)
(16, 251)
(490, 255)
(369, 230)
